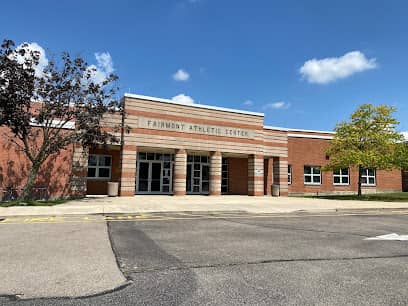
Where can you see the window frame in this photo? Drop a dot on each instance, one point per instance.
(97, 167)
(341, 176)
(289, 174)
(367, 176)
(312, 175)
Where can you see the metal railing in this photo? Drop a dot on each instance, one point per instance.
(11, 194)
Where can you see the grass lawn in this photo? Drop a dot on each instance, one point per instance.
(32, 203)
(386, 197)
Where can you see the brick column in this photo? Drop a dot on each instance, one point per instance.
(215, 173)
(280, 171)
(180, 172)
(79, 172)
(268, 175)
(256, 175)
(128, 170)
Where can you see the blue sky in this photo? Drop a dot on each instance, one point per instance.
(305, 64)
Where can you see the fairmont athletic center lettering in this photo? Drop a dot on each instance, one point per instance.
(185, 127)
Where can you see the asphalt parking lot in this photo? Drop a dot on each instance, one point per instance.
(249, 260)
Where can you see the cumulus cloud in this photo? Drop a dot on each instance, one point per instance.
(276, 105)
(405, 134)
(248, 103)
(182, 98)
(327, 70)
(43, 60)
(181, 75)
(103, 67)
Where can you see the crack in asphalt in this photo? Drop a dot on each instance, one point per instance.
(294, 228)
(258, 262)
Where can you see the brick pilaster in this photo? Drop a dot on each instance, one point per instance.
(215, 173)
(256, 175)
(180, 172)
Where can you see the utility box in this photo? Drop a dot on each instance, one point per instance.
(113, 189)
(275, 190)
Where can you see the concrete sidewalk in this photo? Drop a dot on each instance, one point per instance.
(152, 203)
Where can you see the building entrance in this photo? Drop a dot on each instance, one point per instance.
(154, 173)
(198, 175)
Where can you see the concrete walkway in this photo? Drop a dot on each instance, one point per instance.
(153, 203)
(57, 260)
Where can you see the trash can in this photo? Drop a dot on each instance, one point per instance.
(275, 191)
(113, 189)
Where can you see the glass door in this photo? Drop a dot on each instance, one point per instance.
(198, 175)
(143, 173)
(155, 177)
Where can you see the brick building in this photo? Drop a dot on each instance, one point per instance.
(177, 149)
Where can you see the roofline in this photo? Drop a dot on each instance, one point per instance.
(268, 127)
(223, 109)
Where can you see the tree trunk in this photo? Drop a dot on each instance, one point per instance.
(359, 181)
(27, 193)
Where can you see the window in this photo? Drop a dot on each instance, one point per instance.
(224, 176)
(341, 177)
(367, 177)
(312, 175)
(99, 166)
(289, 174)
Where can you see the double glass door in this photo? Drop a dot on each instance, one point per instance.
(154, 173)
(198, 175)
(150, 176)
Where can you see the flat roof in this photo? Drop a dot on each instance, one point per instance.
(197, 105)
(268, 127)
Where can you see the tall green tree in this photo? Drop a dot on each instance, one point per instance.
(368, 140)
(39, 109)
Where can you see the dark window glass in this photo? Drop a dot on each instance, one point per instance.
(104, 161)
(196, 159)
(308, 170)
(337, 180)
(316, 179)
(308, 179)
(190, 158)
(104, 172)
(143, 186)
(91, 172)
(205, 187)
(142, 156)
(92, 160)
(150, 156)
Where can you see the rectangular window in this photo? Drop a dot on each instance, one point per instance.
(341, 177)
(368, 177)
(224, 176)
(99, 166)
(312, 175)
(289, 174)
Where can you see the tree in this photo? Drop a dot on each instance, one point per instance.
(368, 140)
(38, 108)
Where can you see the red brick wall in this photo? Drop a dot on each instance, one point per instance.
(54, 175)
(238, 176)
(311, 152)
(101, 186)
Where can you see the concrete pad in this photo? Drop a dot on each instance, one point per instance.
(57, 260)
(160, 203)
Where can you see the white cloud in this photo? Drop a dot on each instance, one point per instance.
(43, 60)
(276, 105)
(327, 70)
(405, 134)
(182, 98)
(249, 103)
(103, 67)
(181, 75)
